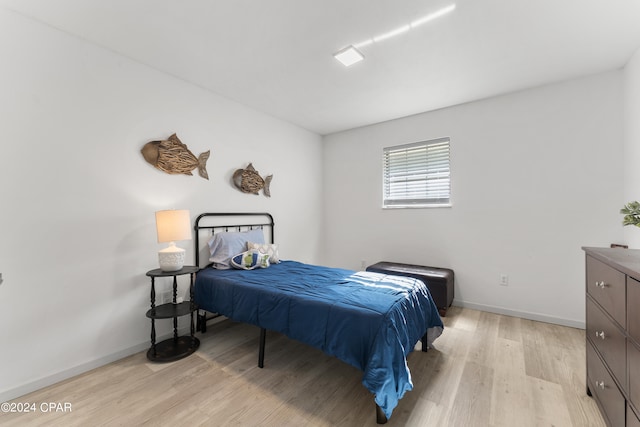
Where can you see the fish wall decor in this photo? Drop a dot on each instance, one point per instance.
(172, 156)
(249, 181)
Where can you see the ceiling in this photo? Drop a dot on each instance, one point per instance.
(276, 55)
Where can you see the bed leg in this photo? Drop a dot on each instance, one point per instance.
(202, 322)
(425, 347)
(381, 418)
(263, 338)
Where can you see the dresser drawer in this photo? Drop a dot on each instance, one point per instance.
(604, 390)
(607, 286)
(633, 355)
(632, 420)
(608, 339)
(633, 314)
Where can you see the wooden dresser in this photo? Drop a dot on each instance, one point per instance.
(613, 333)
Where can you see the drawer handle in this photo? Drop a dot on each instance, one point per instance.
(600, 384)
(600, 334)
(601, 284)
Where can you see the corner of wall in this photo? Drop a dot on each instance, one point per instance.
(632, 141)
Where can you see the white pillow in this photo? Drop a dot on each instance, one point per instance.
(250, 259)
(223, 246)
(266, 248)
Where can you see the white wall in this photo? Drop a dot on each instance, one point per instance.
(535, 175)
(632, 142)
(77, 230)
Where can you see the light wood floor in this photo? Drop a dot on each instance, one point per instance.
(485, 370)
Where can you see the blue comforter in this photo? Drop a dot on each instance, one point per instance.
(369, 320)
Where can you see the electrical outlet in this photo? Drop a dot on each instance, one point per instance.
(504, 280)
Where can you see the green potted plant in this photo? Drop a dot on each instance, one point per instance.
(631, 212)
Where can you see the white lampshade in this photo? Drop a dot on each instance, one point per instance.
(172, 225)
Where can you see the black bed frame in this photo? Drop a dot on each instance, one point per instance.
(233, 227)
(202, 317)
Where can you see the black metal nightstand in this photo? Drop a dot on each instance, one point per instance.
(177, 347)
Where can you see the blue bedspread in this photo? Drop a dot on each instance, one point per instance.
(369, 320)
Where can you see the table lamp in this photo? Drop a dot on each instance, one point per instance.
(172, 225)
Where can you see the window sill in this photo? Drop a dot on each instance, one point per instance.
(444, 205)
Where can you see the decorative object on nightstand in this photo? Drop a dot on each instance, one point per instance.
(177, 347)
(172, 225)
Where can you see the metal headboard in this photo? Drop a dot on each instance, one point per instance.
(237, 225)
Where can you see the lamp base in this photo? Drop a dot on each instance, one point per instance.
(171, 258)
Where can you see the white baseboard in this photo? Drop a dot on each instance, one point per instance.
(580, 324)
(48, 380)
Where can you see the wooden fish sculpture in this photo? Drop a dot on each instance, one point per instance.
(172, 156)
(249, 181)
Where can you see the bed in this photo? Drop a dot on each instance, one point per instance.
(368, 320)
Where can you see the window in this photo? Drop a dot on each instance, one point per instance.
(417, 175)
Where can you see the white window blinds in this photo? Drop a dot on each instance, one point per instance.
(417, 174)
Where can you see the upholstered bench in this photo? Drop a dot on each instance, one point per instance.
(438, 280)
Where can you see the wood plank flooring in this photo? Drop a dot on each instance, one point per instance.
(485, 370)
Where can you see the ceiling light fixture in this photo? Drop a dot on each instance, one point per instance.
(349, 56)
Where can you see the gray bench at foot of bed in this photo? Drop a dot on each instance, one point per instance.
(438, 280)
